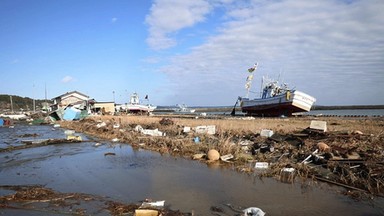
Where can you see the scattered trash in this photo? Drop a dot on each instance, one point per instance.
(261, 148)
(206, 129)
(56, 125)
(73, 137)
(69, 132)
(1, 122)
(261, 165)
(139, 128)
(213, 155)
(146, 212)
(266, 133)
(153, 204)
(226, 157)
(154, 132)
(318, 125)
(266, 148)
(203, 114)
(98, 144)
(245, 142)
(196, 139)
(253, 211)
(305, 161)
(100, 125)
(287, 174)
(358, 132)
(198, 156)
(109, 153)
(150, 132)
(115, 126)
(187, 129)
(115, 140)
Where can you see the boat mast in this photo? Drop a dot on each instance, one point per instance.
(250, 78)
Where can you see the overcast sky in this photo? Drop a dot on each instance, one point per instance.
(195, 52)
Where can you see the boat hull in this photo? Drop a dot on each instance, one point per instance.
(285, 104)
(135, 108)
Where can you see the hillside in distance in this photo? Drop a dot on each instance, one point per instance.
(19, 103)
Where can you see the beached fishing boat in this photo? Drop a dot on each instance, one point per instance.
(276, 100)
(182, 108)
(136, 106)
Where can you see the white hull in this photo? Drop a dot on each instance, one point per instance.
(140, 108)
(284, 104)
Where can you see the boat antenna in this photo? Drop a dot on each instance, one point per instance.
(250, 78)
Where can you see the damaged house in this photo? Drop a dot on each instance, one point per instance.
(103, 107)
(70, 106)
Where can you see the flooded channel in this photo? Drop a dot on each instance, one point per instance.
(130, 175)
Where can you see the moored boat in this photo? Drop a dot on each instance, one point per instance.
(276, 100)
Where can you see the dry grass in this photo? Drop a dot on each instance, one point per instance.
(288, 125)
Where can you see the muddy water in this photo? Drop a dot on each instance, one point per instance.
(132, 175)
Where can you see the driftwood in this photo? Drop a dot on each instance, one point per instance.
(343, 185)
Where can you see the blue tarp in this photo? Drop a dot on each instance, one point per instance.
(71, 114)
(1, 122)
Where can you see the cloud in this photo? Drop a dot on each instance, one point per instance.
(114, 19)
(15, 61)
(67, 79)
(169, 16)
(323, 47)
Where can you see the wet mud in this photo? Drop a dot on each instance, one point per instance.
(101, 177)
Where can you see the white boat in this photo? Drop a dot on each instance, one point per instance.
(276, 100)
(184, 109)
(136, 106)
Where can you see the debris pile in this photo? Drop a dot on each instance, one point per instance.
(39, 198)
(350, 159)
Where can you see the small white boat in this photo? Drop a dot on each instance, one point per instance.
(184, 109)
(276, 100)
(135, 106)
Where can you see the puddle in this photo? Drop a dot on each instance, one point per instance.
(133, 175)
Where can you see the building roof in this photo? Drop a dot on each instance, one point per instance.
(69, 93)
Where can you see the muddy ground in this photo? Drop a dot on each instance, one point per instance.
(349, 153)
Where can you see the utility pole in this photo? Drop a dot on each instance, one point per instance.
(46, 103)
(113, 92)
(11, 103)
(34, 104)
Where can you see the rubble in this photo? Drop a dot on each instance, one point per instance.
(261, 165)
(206, 129)
(37, 198)
(318, 125)
(266, 133)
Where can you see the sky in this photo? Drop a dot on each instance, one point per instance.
(193, 52)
